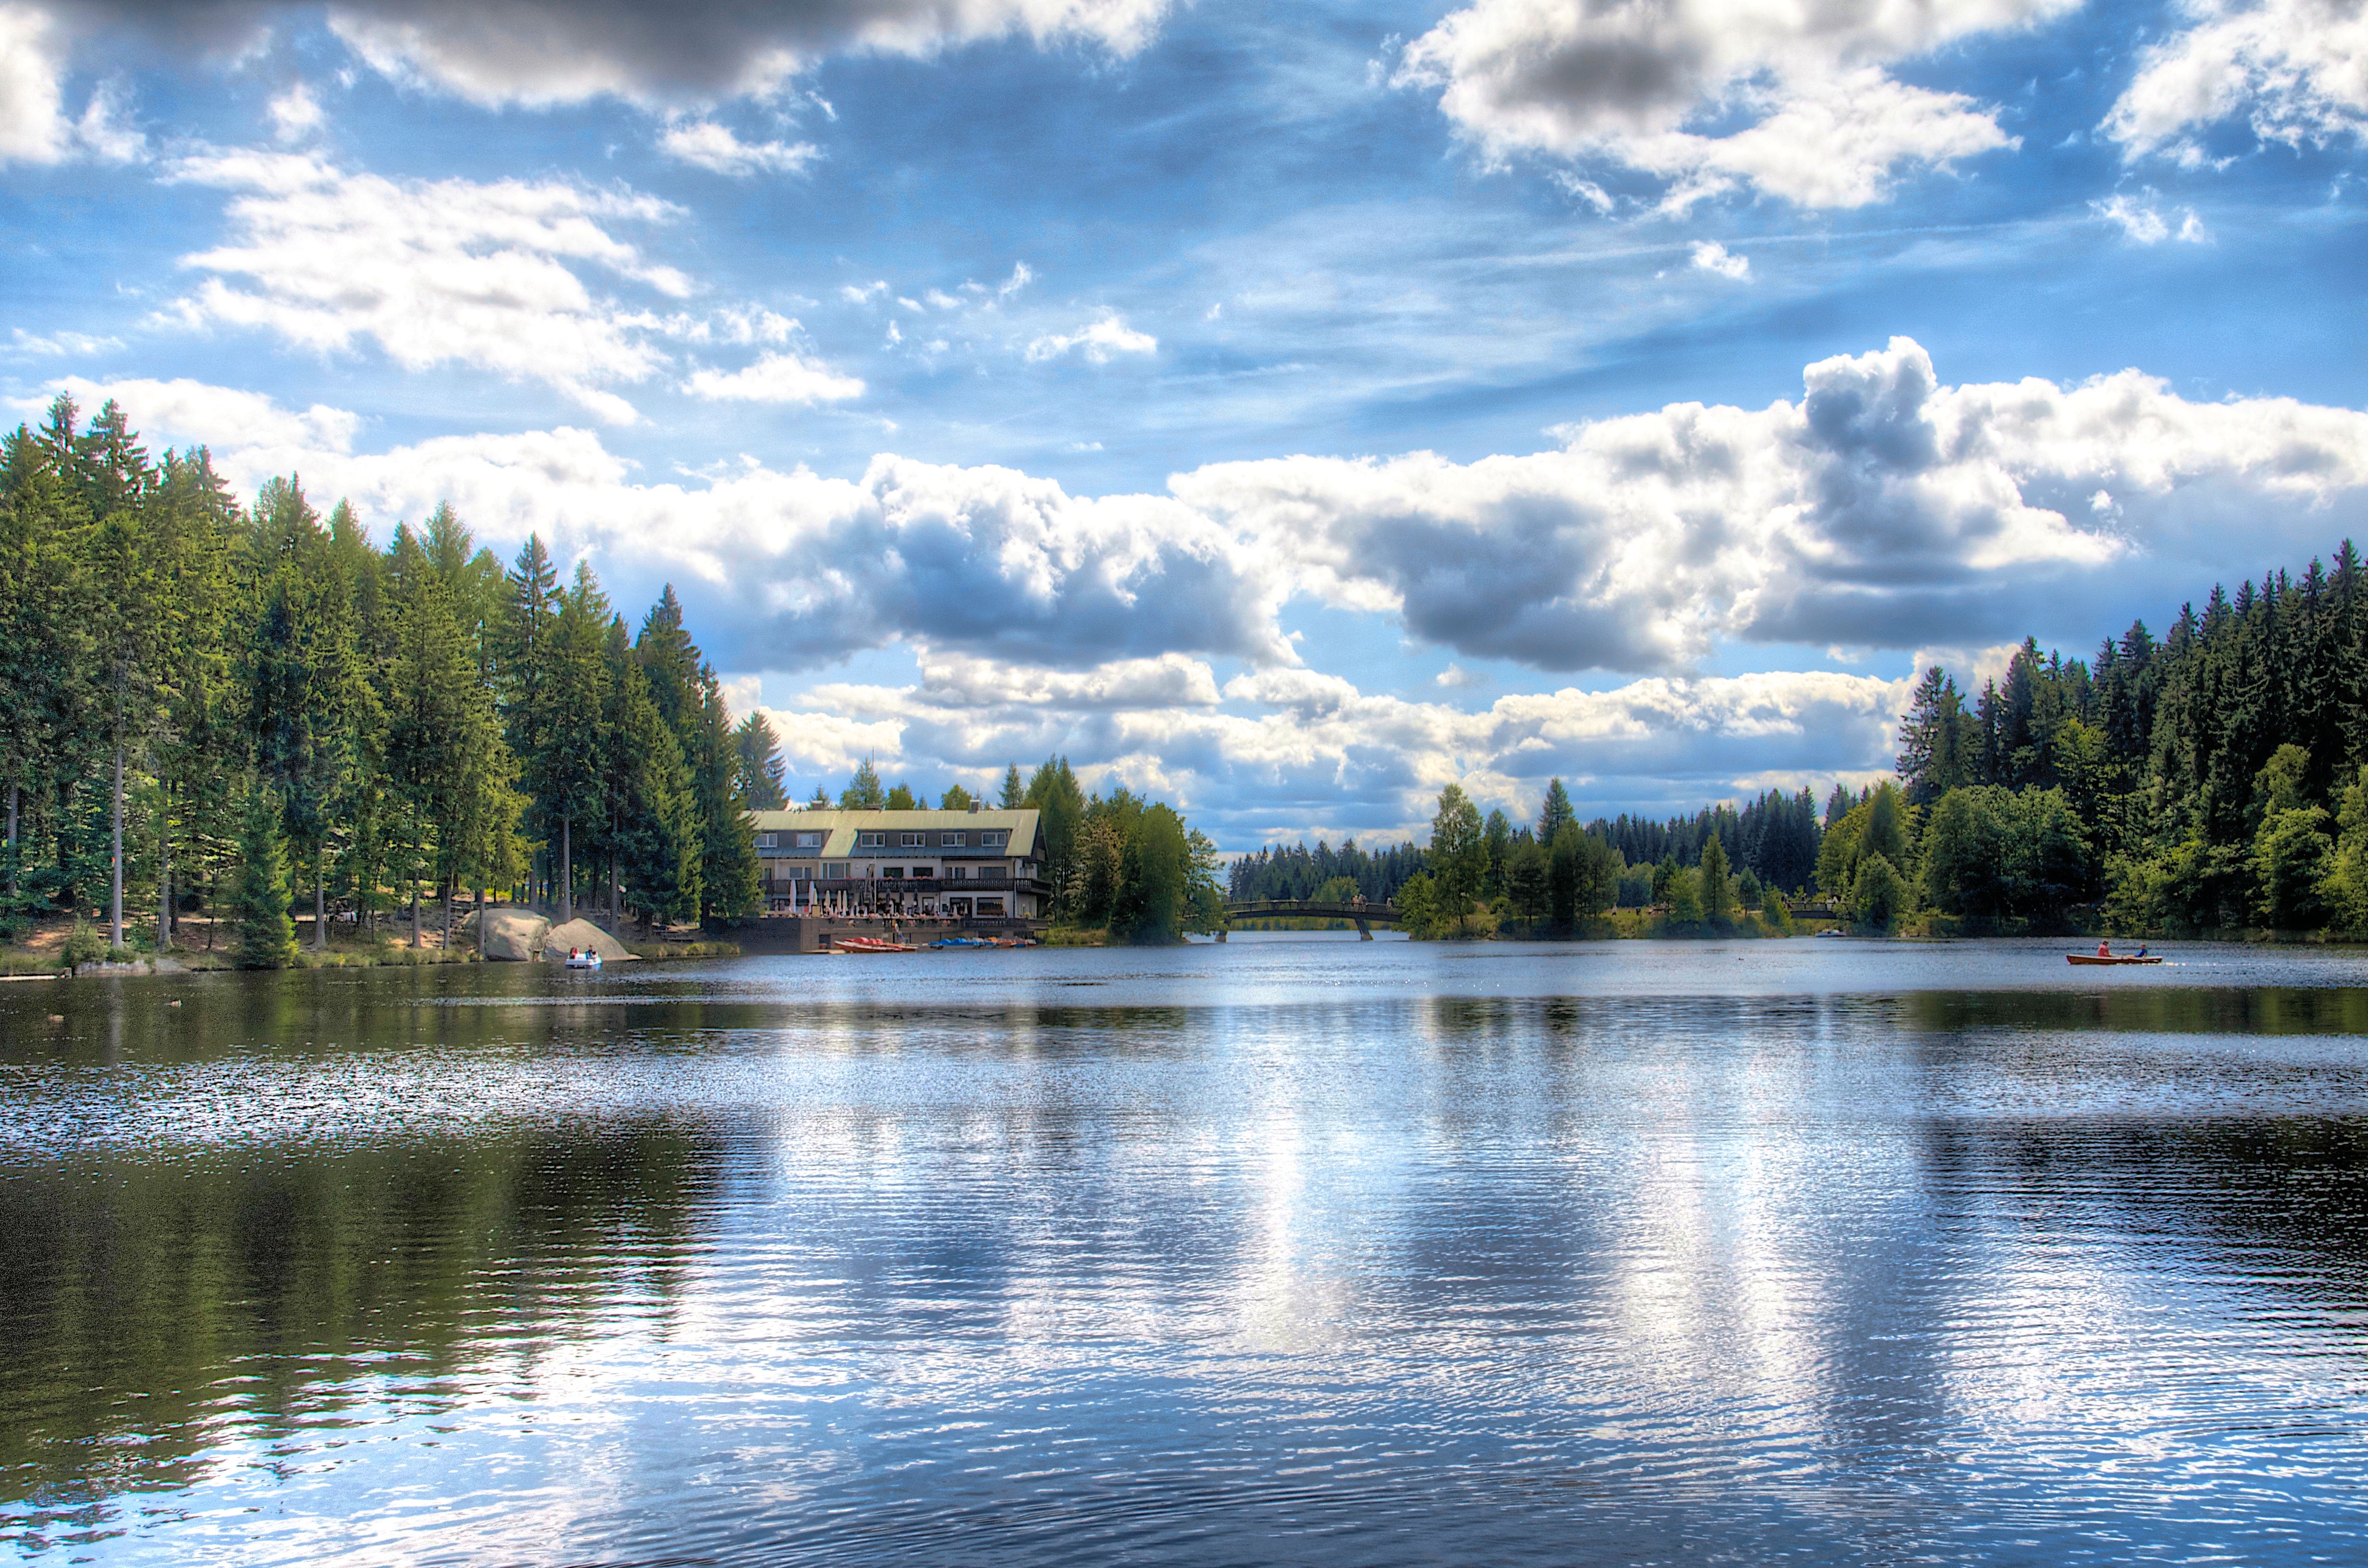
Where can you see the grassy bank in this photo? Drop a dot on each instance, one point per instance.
(700, 950)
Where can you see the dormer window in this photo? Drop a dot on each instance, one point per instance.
(992, 840)
(952, 840)
(871, 840)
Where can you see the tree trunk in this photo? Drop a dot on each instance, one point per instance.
(163, 868)
(481, 923)
(566, 871)
(451, 891)
(614, 891)
(12, 840)
(115, 868)
(320, 901)
(415, 913)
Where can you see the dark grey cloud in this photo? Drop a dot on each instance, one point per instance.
(499, 51)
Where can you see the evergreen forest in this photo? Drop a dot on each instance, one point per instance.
(214, 708)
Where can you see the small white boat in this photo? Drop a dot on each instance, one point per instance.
(586, 958)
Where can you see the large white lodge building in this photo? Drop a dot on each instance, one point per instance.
(951, 865)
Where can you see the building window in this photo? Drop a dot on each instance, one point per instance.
(956, 873)
(926, 872)
(990, 840)
(893, 873)
(990, 907)
(953, 840)
(871, 840)
(836, 871)
(912, 840)
(767, 840)
(809, 841)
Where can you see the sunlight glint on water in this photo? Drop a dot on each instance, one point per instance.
(1288, 1250)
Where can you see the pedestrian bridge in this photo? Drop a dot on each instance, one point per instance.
(1366, 916)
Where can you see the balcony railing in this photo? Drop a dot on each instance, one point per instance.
(941, 886)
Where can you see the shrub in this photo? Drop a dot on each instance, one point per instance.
(84, 945)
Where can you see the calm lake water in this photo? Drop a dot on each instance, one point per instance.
(1291, 1250)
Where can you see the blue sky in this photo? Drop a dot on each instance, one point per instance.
(1285, 409)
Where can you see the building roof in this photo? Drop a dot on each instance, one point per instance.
(839, 828)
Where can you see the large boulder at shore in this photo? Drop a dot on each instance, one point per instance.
(516, 936)
(581, 934)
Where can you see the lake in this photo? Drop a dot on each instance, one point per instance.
(1295, 1249)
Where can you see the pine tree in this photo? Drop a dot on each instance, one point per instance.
(1015, 794)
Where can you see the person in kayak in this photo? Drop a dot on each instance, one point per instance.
(2105, 949)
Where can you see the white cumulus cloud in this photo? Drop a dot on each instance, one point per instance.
(2296, 71)
(716, 148)
(1711, 256)
(1634, 82)
(776, 378)
(436, 272)
(35, 125)
(2142, 223)
(1883, 509)
(1100, 341)
(296, 114)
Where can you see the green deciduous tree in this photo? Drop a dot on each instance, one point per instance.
(1154, 882)
(1878, 893)
(1458, 859)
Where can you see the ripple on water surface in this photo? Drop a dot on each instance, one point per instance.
(1283, 1251)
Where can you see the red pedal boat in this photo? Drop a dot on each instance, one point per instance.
(873, 944)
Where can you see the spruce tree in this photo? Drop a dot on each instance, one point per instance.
(1555, 814)
(864, 792)
(729, 878)
(267, 937)
(759, 775)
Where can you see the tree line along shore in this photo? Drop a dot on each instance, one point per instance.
(2210, 782)
(224, 724)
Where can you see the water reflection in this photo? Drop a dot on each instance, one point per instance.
(1251, 1255)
